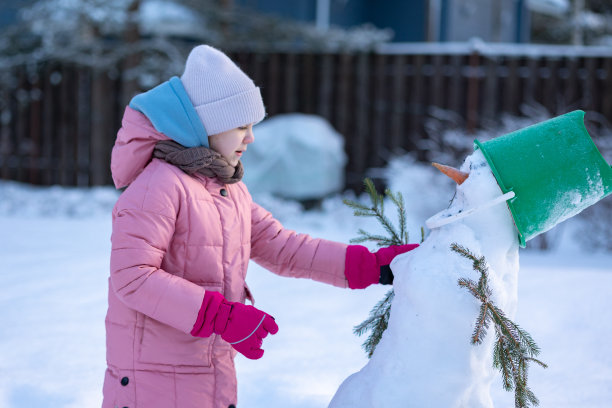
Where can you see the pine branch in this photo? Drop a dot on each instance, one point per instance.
(398, 200)
(379, 239)
(471, 286)
(377, 323)
(377, 210)
(538, 362)
(514, 348)
(378, 320)
(482, 324)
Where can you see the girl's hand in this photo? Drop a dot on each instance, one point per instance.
(364, 268)
(246, 329)
(243, 327)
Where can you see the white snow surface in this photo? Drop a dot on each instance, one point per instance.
(54, 257)
(432, 318)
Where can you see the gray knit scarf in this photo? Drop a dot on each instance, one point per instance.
(200, 160)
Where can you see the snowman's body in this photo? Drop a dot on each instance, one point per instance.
(425, 358)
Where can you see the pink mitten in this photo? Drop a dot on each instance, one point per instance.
(364, 268)
(242, 326)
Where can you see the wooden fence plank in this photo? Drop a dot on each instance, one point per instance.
(510, 85)
(378, 138)
(308, 84)
(472, 97)
(571, 84)
(588, 83)
(598, 84)
(83, 127)
(345, 81)
(362, 128)
(326, 87)
(398, 104)
(35, 131)
(490, 100)
(438, 92)
(5, 134)
(456, 96)
(21, 135)
(271, 88)
(48, 129)
(290, 89)
(606, 92)
(417, 108)
(100, 112)
(551, 85)
(64, 130)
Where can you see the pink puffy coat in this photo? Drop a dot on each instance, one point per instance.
(174, 237)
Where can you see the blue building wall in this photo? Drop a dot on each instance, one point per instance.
(8, 11)
(299, 10)
(407, 18)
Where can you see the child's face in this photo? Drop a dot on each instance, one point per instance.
(232, 143)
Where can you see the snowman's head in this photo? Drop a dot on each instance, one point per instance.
(477, 190)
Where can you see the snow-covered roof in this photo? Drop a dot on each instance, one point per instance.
(550, 7)
(163, 17)
(495, 49)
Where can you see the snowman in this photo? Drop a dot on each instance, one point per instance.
(509, 190)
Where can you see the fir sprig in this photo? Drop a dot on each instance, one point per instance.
(377, 210)
(377, 323)
(378, 320)
(514, 348)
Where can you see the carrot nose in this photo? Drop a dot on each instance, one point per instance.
(458, 176)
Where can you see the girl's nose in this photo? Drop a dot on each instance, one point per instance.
(249, 137)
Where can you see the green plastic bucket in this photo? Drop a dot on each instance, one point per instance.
(554, 169)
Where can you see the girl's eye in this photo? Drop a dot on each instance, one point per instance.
(243, 127)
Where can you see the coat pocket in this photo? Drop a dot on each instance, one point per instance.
(163, 344)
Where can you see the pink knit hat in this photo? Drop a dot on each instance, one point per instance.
(223, 96)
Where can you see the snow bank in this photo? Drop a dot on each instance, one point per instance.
(55, 201)
(426, 347)
(295, 156)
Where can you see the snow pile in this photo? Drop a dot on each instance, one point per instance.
(295, 156)
(426, 347)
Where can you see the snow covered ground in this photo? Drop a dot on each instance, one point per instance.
(54, 251)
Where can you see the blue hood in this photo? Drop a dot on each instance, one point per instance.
(171, 112)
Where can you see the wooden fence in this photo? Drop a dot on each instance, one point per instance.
(59, 126)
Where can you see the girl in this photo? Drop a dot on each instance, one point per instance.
(183, 233)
